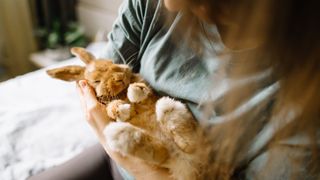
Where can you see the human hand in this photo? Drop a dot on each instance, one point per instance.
(98, 119)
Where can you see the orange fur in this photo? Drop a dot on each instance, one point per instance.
(156, 129)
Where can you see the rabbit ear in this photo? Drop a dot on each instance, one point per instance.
(83, 54)
(67, 73)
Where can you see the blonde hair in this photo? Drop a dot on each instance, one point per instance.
(291, 48)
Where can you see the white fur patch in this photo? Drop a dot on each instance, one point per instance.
(124, 66)
(166, 105)
(124, 112)
(137, 94)
(122, 137)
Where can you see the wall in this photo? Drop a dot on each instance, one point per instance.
(16, 35)
(97, 15)
(2, 51)
(18, 40)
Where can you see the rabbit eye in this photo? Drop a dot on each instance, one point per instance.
(97, 81)
(119, 82)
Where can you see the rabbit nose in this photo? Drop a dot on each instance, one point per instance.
(101, 90)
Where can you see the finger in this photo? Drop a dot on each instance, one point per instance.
(78, 88)
(88, 90)
(88, 115)
(95, 110)
(89, 94)
(83, 102)
(80, 92)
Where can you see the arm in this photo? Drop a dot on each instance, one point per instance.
(123, 47)
(96, 117)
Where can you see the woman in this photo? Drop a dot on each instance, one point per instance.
(248, 70)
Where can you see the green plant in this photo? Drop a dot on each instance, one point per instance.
(73, 35)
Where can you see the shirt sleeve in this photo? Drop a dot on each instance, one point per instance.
(124, 39)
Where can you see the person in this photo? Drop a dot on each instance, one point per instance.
(248, 71)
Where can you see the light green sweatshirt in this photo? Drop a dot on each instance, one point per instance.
(159, 50)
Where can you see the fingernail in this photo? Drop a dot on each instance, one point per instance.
(83, 84)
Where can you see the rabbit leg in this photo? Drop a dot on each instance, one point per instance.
(129, 140)
(119, 110)
(178, 123)
(138, 92)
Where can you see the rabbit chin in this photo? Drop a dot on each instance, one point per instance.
(105, 99)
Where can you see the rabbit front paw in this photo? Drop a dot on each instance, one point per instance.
(138, 92)
(119, 110)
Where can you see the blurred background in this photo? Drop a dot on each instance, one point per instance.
(41, 123)
(38, 33)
